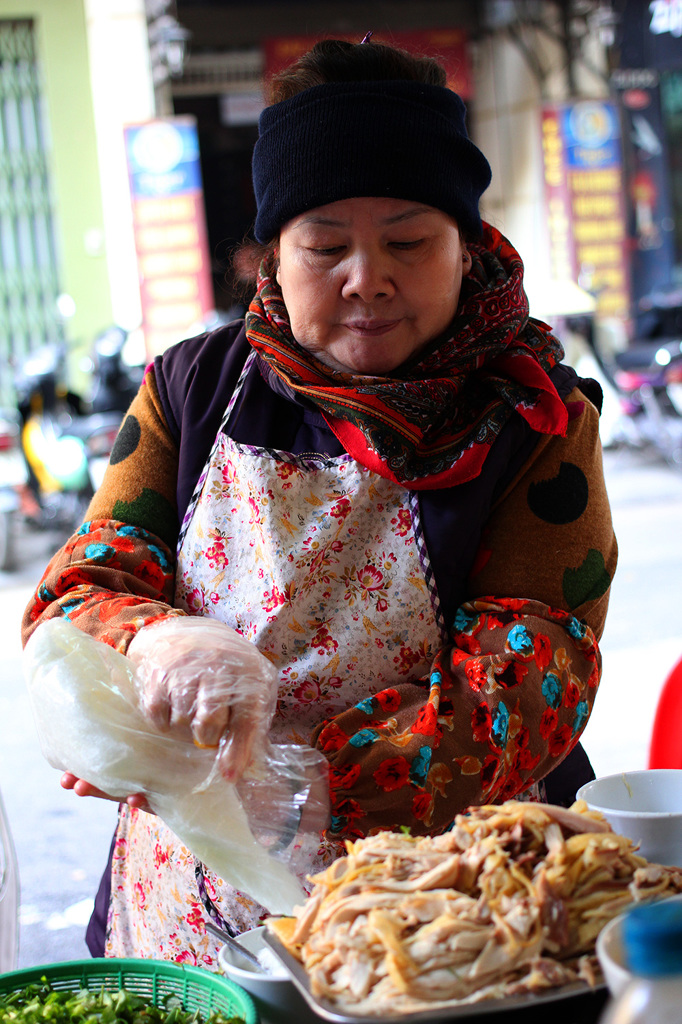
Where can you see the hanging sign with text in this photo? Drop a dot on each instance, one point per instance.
(585, 205)
(170, 229)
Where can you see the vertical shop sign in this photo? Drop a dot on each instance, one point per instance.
(170, 229)
(650, 224)
(558, 200)
(584, 197)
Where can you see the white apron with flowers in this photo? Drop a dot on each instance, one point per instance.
(320, 563)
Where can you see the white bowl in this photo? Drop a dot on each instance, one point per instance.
(645, 806)
(611, 953)
(275, 995)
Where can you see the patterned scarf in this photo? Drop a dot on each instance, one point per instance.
(432, 422)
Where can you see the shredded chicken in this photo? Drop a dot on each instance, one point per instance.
(509, 901)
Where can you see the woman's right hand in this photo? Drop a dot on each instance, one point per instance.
(206, 683)
(82, 788)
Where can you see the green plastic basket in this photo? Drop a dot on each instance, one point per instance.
(198, 989)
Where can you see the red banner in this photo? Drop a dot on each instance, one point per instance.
(447, 45)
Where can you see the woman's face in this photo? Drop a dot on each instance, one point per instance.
(369, 282)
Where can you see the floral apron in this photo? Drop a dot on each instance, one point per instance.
(321, 563)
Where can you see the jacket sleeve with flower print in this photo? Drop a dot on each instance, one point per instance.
(505, 701)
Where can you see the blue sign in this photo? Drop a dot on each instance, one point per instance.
(591, 134)
(163, 158)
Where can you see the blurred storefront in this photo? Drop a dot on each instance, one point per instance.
(535, 74)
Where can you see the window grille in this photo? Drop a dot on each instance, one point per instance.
(28, 262)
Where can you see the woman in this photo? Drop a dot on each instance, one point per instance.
(385, 479)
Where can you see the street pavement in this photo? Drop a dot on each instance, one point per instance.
(62, 841)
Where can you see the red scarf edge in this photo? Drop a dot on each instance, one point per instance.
(467, 467)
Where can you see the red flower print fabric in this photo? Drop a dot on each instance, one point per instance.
(503, 704)
(109, 574)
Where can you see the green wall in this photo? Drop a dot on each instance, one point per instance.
(61, 43)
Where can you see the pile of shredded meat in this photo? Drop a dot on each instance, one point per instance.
(510, 901)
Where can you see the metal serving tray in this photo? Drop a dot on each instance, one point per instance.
(451, 1012)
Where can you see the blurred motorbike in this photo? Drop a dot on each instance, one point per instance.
(647, 378)
(116, 378)
(649, 386)
(65, 446)
(13, 478)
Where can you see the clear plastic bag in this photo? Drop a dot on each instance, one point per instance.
(208, 683)
(89, 707)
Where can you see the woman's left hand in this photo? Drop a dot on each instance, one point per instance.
(82, 788)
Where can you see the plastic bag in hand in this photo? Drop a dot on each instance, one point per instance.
(207, 683)
(89, 715)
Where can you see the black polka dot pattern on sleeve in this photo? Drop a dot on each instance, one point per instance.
(127, 440)
(561, 499)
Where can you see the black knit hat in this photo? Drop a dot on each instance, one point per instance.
(396, 139)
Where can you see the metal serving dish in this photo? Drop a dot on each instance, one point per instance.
(574, 994)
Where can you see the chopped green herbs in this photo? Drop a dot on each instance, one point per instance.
(39, 1003)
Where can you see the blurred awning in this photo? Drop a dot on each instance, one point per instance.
(552, 298)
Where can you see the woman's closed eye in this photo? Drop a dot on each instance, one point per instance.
(331, 250)
(406, 246)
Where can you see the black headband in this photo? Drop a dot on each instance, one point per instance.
(398, 139)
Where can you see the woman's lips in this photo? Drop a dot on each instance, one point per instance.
(371, 328)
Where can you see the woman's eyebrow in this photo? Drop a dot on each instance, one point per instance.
(415, 212)
(334, 222)
(329, 222)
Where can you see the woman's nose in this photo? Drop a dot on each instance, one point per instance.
(368, 277)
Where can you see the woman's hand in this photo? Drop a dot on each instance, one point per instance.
(202, 680)
(82, 788)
